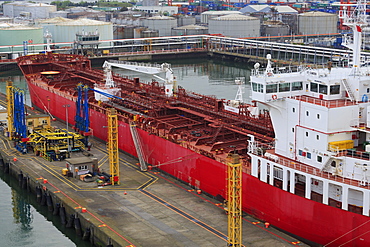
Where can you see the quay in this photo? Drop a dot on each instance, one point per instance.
(146, 209)
(195, 46)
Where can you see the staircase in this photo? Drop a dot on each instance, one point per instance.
(348, 89)
(138, 146)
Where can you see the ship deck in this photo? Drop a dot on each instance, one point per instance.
(146, 209)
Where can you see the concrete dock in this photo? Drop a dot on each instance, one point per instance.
(146, 209)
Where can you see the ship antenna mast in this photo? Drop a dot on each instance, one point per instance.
(354, 19)
(48, 37)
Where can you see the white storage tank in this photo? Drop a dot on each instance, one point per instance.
(49, 24)
(317, 22)
(19, 34)
(66, 31)
(185, 20)
(235, 25)
(163, 24)
(206, 16)
(189, 30)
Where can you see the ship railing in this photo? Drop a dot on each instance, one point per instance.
(157, 51)
(260, 150)
(322, 102)
(8, 60)
(136, 63)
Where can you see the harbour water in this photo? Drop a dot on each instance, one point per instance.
(25, 223)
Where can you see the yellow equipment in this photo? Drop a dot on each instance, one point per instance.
(10, 107)
(52, 143)
(234, 201)
(113, 145)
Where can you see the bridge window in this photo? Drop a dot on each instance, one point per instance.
(323, 89)
(296, 86)
(257, 87)
(319, 158)
(308, 155)
(284, 87)
(334, 89)
(271, 88)
(314, 87)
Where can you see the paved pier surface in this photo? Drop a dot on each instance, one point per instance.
(146, 209)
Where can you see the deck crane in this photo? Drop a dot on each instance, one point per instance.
(234, 201)
(169, 81)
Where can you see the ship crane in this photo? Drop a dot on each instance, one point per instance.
(169, 81)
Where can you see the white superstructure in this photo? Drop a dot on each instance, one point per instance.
(321, 119)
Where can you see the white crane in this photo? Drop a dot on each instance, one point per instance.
(142, 68)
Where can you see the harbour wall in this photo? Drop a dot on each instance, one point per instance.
(30, 181)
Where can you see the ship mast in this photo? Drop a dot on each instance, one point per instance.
(355, 19)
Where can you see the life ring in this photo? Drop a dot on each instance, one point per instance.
(274, 97)
(269, 74)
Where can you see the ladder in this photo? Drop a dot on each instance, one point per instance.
(348, 89)
(138, 146)
(217, 133)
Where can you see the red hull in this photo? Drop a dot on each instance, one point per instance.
(302, 217)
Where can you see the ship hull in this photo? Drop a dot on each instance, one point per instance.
(305, 218)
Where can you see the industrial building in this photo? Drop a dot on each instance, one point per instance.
(28, 10)
(159, 10)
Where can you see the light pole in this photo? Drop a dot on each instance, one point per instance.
(68, 147)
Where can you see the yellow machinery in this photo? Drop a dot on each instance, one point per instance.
(52, 143)
(234, 200)
(148, 46)
(10, 107)
(113, 145)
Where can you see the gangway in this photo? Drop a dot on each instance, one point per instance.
(138, 146)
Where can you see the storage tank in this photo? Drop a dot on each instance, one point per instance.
(274, 28)
(206, 16)
(317, 22)
(163, 24)
(189, 30)
(149, 34)
(18, 34)
(66, 31)
(49, 24)
(185, 20)
(123, 32)
(235, 25)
